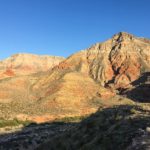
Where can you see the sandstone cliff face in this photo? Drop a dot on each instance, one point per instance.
(25, 64)
(118, 61)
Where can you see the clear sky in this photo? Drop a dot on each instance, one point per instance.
(62, 27)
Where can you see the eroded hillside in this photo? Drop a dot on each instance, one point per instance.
(80, 83)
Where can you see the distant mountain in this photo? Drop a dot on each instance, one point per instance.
(25, 64)
(78, 85)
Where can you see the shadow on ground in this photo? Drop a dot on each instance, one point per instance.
(107, 129)
(30, 136)
(141, 89)
(114, 128)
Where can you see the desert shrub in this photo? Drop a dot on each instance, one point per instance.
(14, 122)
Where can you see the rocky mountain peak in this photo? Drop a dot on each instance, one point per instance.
(122, 36)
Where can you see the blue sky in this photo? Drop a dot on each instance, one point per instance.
(62, 27)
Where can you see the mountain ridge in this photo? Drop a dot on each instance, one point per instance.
(25, 64)
(82, 82)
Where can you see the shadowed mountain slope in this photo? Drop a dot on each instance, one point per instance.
(140, 89)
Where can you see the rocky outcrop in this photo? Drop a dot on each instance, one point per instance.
(118, 61)
(125, 57)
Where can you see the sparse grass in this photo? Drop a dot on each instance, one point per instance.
(71, 119)
(14, 122)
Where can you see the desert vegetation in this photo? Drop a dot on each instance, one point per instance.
(12, 123)
(112, 128)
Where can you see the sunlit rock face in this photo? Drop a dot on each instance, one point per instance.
(120, 60)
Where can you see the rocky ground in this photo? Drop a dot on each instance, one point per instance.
(29, 137)
(124, 127)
